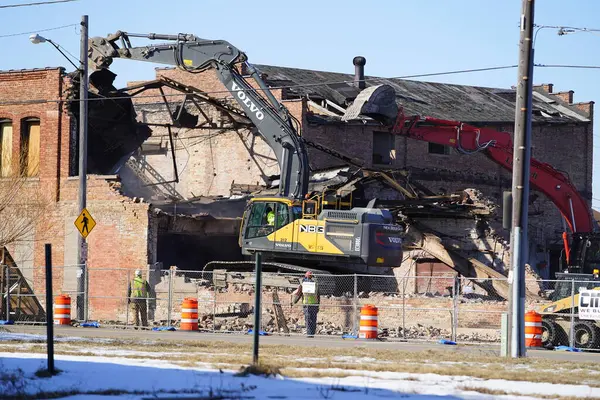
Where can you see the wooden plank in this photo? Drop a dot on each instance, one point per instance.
(279, 316)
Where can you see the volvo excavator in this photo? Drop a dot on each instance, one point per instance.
(294, 230)
(580, 263)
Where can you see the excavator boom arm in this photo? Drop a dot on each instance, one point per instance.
(193, 54)
(498, 146)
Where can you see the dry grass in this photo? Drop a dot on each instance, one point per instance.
(260, 370)
(494, 392)
(227, 355)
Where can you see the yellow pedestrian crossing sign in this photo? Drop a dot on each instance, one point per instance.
(85, 223)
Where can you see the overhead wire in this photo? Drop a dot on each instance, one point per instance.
(565, 29)
(567, 66)
(37, 31)
(299, 85)
(39, 3)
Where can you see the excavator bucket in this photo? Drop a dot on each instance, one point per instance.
(377, 102)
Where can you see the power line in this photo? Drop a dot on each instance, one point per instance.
(305, 85)
(567, 66)
(563, 30)
(301, 85)
(68, 52)
(37, 31)
(40, 3)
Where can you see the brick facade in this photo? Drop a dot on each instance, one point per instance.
(210, 159)
(121, 236)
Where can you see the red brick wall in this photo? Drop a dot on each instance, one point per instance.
(120, 238)
(23, 92)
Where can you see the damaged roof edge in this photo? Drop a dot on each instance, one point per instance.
(471, 104)
(25, 70)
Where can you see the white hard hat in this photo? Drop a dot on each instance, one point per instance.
(138, 272)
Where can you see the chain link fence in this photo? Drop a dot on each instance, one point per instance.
(425, 308)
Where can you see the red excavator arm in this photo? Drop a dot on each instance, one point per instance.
(498, 146)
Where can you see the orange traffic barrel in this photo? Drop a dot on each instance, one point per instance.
(368, 322)
(533, 329)
(189, 314)
(62, 310)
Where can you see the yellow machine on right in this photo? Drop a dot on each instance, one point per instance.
(561, 319)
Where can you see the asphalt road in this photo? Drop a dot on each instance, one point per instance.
(68, 331)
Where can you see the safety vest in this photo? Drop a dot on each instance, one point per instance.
(271, 218)
(311, 298)
(138, 289)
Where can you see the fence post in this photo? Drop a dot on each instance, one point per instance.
(257, 308)
(86, 294)
(403, 307)
(49, 308)
(170, 297)
(572, 328)
(355, 306)
(127, 300)
(455, 294)
(214, 311)
(7, 292)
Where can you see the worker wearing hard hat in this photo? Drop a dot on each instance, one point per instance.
(309, 292)
(137, 295)
(270, 216)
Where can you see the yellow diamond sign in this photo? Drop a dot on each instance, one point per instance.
(85, 223)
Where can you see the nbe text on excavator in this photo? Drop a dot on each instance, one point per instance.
(293, 231)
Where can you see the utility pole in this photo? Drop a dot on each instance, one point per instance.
(83, 132)
(520, 182)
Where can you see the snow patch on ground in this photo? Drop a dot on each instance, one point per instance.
(157, 377)
(27, 337)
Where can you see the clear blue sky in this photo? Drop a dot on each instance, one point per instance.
(398, 37)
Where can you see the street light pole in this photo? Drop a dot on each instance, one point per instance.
(83, 133)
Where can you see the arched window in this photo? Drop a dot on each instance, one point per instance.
(6, 132)
(30, 147)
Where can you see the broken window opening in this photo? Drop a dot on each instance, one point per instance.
(30, 147)
(435, 148)
(384, 152)
(6, 132)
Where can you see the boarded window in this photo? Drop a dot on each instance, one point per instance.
(435, 148)
(30, 148)
(6, 132)
(383, 148)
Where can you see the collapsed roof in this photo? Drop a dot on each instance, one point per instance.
(470, 104)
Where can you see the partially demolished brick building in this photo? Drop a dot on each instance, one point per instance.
(224, 158)
(165, 193)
